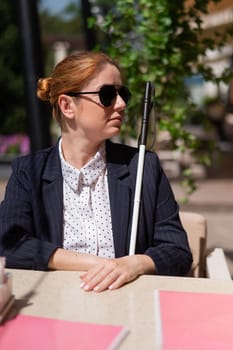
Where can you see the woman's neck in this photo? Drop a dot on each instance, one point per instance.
(78, 153)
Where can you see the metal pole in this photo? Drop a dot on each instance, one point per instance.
(37, 111)
(89, 33)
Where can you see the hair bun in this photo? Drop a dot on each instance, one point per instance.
(44, 88)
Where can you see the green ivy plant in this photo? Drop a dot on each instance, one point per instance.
(164, 42)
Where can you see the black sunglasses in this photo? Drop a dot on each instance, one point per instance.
(107, 94)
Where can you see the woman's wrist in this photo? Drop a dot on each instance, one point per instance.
(146, 264)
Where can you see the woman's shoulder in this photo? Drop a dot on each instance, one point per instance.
(127, 151)
(35, 160)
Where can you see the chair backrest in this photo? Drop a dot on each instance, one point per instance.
(196, 227)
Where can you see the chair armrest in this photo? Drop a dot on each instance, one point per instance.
(216, 265)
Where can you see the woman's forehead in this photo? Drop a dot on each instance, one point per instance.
(109, 74)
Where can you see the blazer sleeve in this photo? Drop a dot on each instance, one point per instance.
(167, 240)
(23, 232)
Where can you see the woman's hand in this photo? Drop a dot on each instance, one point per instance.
(114, 273)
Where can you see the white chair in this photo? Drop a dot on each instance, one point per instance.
(216, 265)
(205, 264)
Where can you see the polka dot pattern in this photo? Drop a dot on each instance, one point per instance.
(87, 215)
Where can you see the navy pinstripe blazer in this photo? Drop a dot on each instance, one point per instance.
(31, 214)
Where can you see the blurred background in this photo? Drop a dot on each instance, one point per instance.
(186, 48)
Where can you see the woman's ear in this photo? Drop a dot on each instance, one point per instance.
(66, 106)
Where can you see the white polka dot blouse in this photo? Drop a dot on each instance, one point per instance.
(87, 217)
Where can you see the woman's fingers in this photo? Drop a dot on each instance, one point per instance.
(110, 275)
(99, 277)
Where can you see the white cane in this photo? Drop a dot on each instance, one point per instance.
(149, 91)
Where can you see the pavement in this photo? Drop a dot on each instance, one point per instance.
(213, 199)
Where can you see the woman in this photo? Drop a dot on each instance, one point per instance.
(70, 207)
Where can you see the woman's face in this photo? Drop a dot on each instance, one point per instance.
(92, 120)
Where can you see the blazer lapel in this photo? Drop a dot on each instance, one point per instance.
(120, 202)
(52, 188)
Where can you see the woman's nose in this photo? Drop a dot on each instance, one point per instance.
(120, 103)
